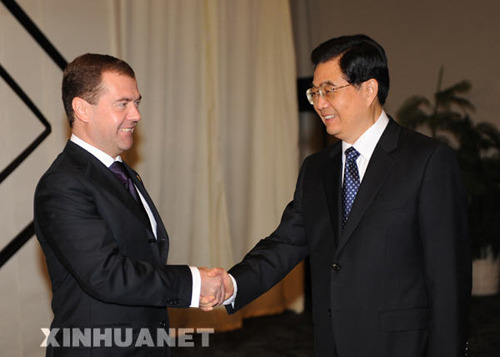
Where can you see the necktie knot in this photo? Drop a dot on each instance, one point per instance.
(120, 171)
(351, 154)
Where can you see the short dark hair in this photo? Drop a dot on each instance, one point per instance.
(361, 59)
(82, 78)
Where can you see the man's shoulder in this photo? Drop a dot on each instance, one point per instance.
(328, 152)
(416, 137)
(415, 141)
(403, 138)
(63, 162)
(420, 148)
(71, 164)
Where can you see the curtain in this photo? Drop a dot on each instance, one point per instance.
(218, 141)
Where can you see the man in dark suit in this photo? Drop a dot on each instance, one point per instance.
(381, 215)
(105, 244)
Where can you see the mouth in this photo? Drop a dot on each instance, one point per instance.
(329, 116)
(129, 129)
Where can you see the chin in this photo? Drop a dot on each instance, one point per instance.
(126, 147)
(332, 131)
(332, 126)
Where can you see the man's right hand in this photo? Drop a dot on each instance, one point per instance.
(216, 287)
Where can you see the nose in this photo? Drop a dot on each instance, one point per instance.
(134, 113)
(321, 103)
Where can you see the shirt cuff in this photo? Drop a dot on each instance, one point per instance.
(231, 299)
(195, 297)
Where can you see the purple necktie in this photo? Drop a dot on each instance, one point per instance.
(351, 183)
(121, 174)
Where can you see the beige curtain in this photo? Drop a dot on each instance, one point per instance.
(218, 142)
(217, 146)
(175, 51)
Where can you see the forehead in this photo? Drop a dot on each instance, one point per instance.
(118, 84)
(328, 72)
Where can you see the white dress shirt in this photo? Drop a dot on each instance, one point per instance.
(365, 145)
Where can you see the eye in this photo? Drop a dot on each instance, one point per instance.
(328, 89)
(137, 103)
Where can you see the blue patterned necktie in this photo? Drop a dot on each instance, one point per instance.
(351, 183)
(121, 174)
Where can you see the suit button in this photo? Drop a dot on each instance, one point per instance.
(152, 241)
(163, 324)
(336, 266)
(329, 312)
(173, 301)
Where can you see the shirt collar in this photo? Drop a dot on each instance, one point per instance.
(366, 143)
(106, 159)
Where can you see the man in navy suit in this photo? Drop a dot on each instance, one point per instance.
(381, 215)
(105, 244)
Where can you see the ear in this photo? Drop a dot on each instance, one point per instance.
(81, 109)
(371, 90)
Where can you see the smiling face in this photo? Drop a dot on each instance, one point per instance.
(109, 125)
(352, 109)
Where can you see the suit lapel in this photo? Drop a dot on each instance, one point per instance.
(138, 206)
(161, 233)
(378, 168)
(332, 182)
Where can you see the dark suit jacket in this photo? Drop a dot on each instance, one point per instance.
(106, 267)
(396, 281)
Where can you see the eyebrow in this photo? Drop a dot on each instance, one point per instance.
(128, 99)
(325, 82)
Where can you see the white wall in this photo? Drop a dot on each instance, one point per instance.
(24, 287)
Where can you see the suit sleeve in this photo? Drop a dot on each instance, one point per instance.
(82, 245)
(273, 257)
(442, 215)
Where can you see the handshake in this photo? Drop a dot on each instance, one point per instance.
(216, 287)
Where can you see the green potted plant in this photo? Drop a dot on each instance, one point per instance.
(477, 145)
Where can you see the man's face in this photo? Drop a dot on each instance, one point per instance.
(346, 113)
(113, 119)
